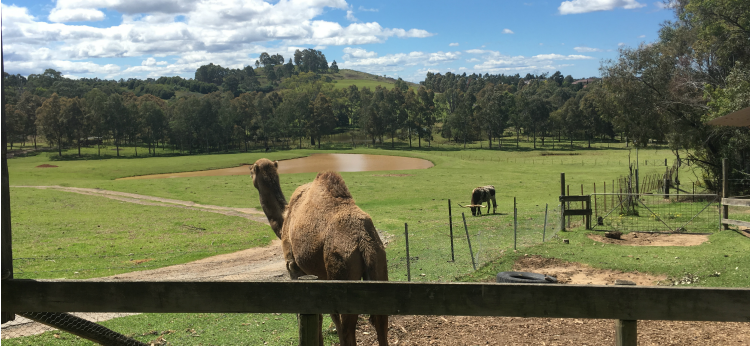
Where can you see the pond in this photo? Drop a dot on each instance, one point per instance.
(315, 163)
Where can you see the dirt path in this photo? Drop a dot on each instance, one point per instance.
(248, 213)
(256, 264)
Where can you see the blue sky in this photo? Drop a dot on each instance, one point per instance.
(115, 39)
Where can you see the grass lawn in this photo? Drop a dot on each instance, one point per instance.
(66, 235)
(392, 198)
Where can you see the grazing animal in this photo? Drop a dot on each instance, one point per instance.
(324, 233)
(480, 195)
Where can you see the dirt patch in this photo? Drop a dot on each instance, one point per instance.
(464, 330)
(141, 260)
(581, 274)
(653, 239)
(46, 165)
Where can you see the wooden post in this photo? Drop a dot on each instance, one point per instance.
(468, 239)
(626, 333)
(582, 206)
(562, 204)
(408, 260)
(450, 222)
(544, 230)
(6, 263)
(515, 223)
(595, 204)
(588, 217)
(310, 332)
(724, 190)
(568, 194)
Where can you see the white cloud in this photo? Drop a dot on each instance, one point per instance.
(61, 15)
(496, 62)
(454, 44)
(350, 16)
(587, 49)
(642, 36)
(194, 32)
(663, 6)
(620, 44)
(363, 60)
(584, 6)
(508, 31)
(363, 9)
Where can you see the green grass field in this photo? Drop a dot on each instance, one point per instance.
(96, 225)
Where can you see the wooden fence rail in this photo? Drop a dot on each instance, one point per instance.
(382, 298)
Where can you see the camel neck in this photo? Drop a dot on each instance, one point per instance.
(274, 204)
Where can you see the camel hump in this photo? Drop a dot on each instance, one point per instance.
(334, 183)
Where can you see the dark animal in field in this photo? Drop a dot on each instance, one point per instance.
(480, 195)
(323, 233)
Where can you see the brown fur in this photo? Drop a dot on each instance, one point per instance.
(324, 233)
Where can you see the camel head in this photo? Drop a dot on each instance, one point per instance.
(265, 177)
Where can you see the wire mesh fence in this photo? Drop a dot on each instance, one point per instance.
(690, 213)
(441, 250)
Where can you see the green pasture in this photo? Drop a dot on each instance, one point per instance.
(57, 233)
(66, 235)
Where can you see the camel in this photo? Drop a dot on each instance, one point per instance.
(323, 233)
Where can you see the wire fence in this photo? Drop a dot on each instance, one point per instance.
(441, 250)
(684, 213)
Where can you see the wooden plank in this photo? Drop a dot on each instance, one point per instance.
(737, 202)
(626, 333)
(735, 222)
(586, 198)
(383, 298)
(578, 212)
(6, 262)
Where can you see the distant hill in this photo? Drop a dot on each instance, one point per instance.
(345, 77)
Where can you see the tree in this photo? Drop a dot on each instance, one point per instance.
(334, 67)
(322, 120)
(13, 124)
(118, 117)
(96, 108)
(26, 108)
(52, 124)
(75, 120)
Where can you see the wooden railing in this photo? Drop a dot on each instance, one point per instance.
(737, 202)
(624, 303)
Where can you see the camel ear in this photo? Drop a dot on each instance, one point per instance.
(252, 168)
(276, 163)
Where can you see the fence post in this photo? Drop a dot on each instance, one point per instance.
(468, 239)
(562, 204)
(724, 191)
(544, 230)
(450, 222)
(626, 332)
(408, 259)
(6, 263)
(515, 223)
(310, 332)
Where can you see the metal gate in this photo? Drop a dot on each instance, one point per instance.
(691, 213)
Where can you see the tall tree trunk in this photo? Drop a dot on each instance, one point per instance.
(410, 137)
(518, 134)
(59, 146)
(534, 138)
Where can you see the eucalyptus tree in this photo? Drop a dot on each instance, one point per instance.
(96, 108)
(50, 120)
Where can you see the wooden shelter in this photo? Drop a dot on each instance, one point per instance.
(740, 118)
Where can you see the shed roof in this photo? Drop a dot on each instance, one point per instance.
(740, 118)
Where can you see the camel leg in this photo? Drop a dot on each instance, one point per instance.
(347, 333)
(380, 322)
(494, 205)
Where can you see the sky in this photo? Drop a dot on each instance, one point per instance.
(113, 39)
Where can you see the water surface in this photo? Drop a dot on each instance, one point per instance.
(315, 163)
